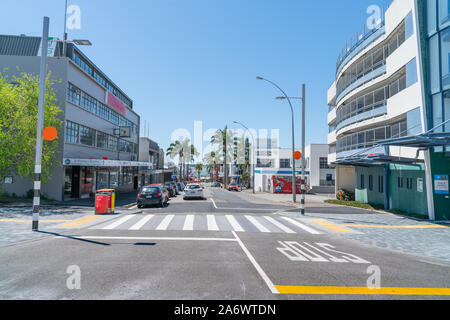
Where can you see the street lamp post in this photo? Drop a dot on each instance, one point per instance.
(40, 121)
(294, 184)
(303, 187)
(253, 154)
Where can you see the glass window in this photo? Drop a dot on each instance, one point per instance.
(362, 182)
(87, 136)
(444, 13)
(112, 143)
(437, 112)
(71, 132)
(435, 78)
(370, 182)
(73, 94)
(447, 110)
(103, 111)
(102, 140)
(114, 117)
(445, 57)
(414, 122)
(285, 163)
(88, 102)
(324, 163)
(380, 184)
(431, 16)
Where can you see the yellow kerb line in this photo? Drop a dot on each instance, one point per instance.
(329, 225)
(394, 227)
(363, 291)
(79, 222)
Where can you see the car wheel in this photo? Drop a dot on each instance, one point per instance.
(139, 206)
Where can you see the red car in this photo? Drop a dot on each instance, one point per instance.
(233, 187)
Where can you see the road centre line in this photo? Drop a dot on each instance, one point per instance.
(306, 290)
(256, 265)
(150, 238)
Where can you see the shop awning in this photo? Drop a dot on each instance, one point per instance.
(105, 163)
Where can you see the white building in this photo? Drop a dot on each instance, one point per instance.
(274, 169)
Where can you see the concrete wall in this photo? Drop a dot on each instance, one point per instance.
(363, 193)
(345, 178)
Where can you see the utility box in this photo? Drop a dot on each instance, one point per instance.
(105, 201)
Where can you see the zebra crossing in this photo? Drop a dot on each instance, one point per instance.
(192, 222)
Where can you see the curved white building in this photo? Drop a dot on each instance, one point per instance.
(378, 95)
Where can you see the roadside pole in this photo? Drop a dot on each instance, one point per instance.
(303, 191)
(40, 126)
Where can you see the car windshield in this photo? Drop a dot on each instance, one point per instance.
(193, 187)
(150, 190)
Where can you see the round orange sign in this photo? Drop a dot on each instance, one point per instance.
(297, 155)
(50, 133)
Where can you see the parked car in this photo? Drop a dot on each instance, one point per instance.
(233, 187)
(151, 195)
(170, 188)
(193, 191)
(163, 188)
(216, 185)
(175, 187)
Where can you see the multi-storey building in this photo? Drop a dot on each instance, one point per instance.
(380, 111)
(92, 153)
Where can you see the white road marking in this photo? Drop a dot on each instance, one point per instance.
(236, 226)
(132, 207)
(189, 223)
(165, 223)
(256, 265)
(302, 226)
(279, 225)
(141, 222)
(149, 238)
(214, 203)
(258, 225)
(212, 224)
(118, 222)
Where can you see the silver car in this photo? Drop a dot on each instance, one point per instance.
(192, 191)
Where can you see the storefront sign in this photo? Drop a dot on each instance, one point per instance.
(115, 103)
(105, 163)
(441, 184)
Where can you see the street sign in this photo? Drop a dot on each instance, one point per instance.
(125, 132)
(297, 155)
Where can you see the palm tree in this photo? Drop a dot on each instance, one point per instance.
(224, 140)
(176, 150)
(212, 159)
(199, 169)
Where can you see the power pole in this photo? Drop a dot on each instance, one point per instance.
(40, 126)
(303, 148)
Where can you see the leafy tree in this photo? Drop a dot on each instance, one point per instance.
(224, 140)
(19, 98)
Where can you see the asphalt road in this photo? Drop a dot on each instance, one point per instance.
(176, 253)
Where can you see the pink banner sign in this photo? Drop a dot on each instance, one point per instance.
(115, 103)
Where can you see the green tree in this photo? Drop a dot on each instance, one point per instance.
(19, 98)
(224, 140)
(199, 169)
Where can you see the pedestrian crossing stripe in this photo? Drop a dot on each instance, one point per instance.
(238, 223)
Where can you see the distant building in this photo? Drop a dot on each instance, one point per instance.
(151, 153)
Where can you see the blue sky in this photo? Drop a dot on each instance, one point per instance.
(187, 60)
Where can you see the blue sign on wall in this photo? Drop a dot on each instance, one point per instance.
(441, 184)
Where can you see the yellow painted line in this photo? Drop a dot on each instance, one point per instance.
(329, 225)
(430, 226)
(79, 222)
(364, 291)
(26, 221)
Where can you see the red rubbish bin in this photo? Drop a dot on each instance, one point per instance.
(104, 201)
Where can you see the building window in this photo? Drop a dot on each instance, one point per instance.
(400, 182)
(125, 146)
(370, 182)
(102, 140)
(362, 181)
(112, 143)
(409, 183)
(264, 163)
(88, 102)
(324, 163)
(380, 184)
(73, 94)
(103, 111)
(114, 117)
(87, 136)
(71, 132)
(285, 163)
